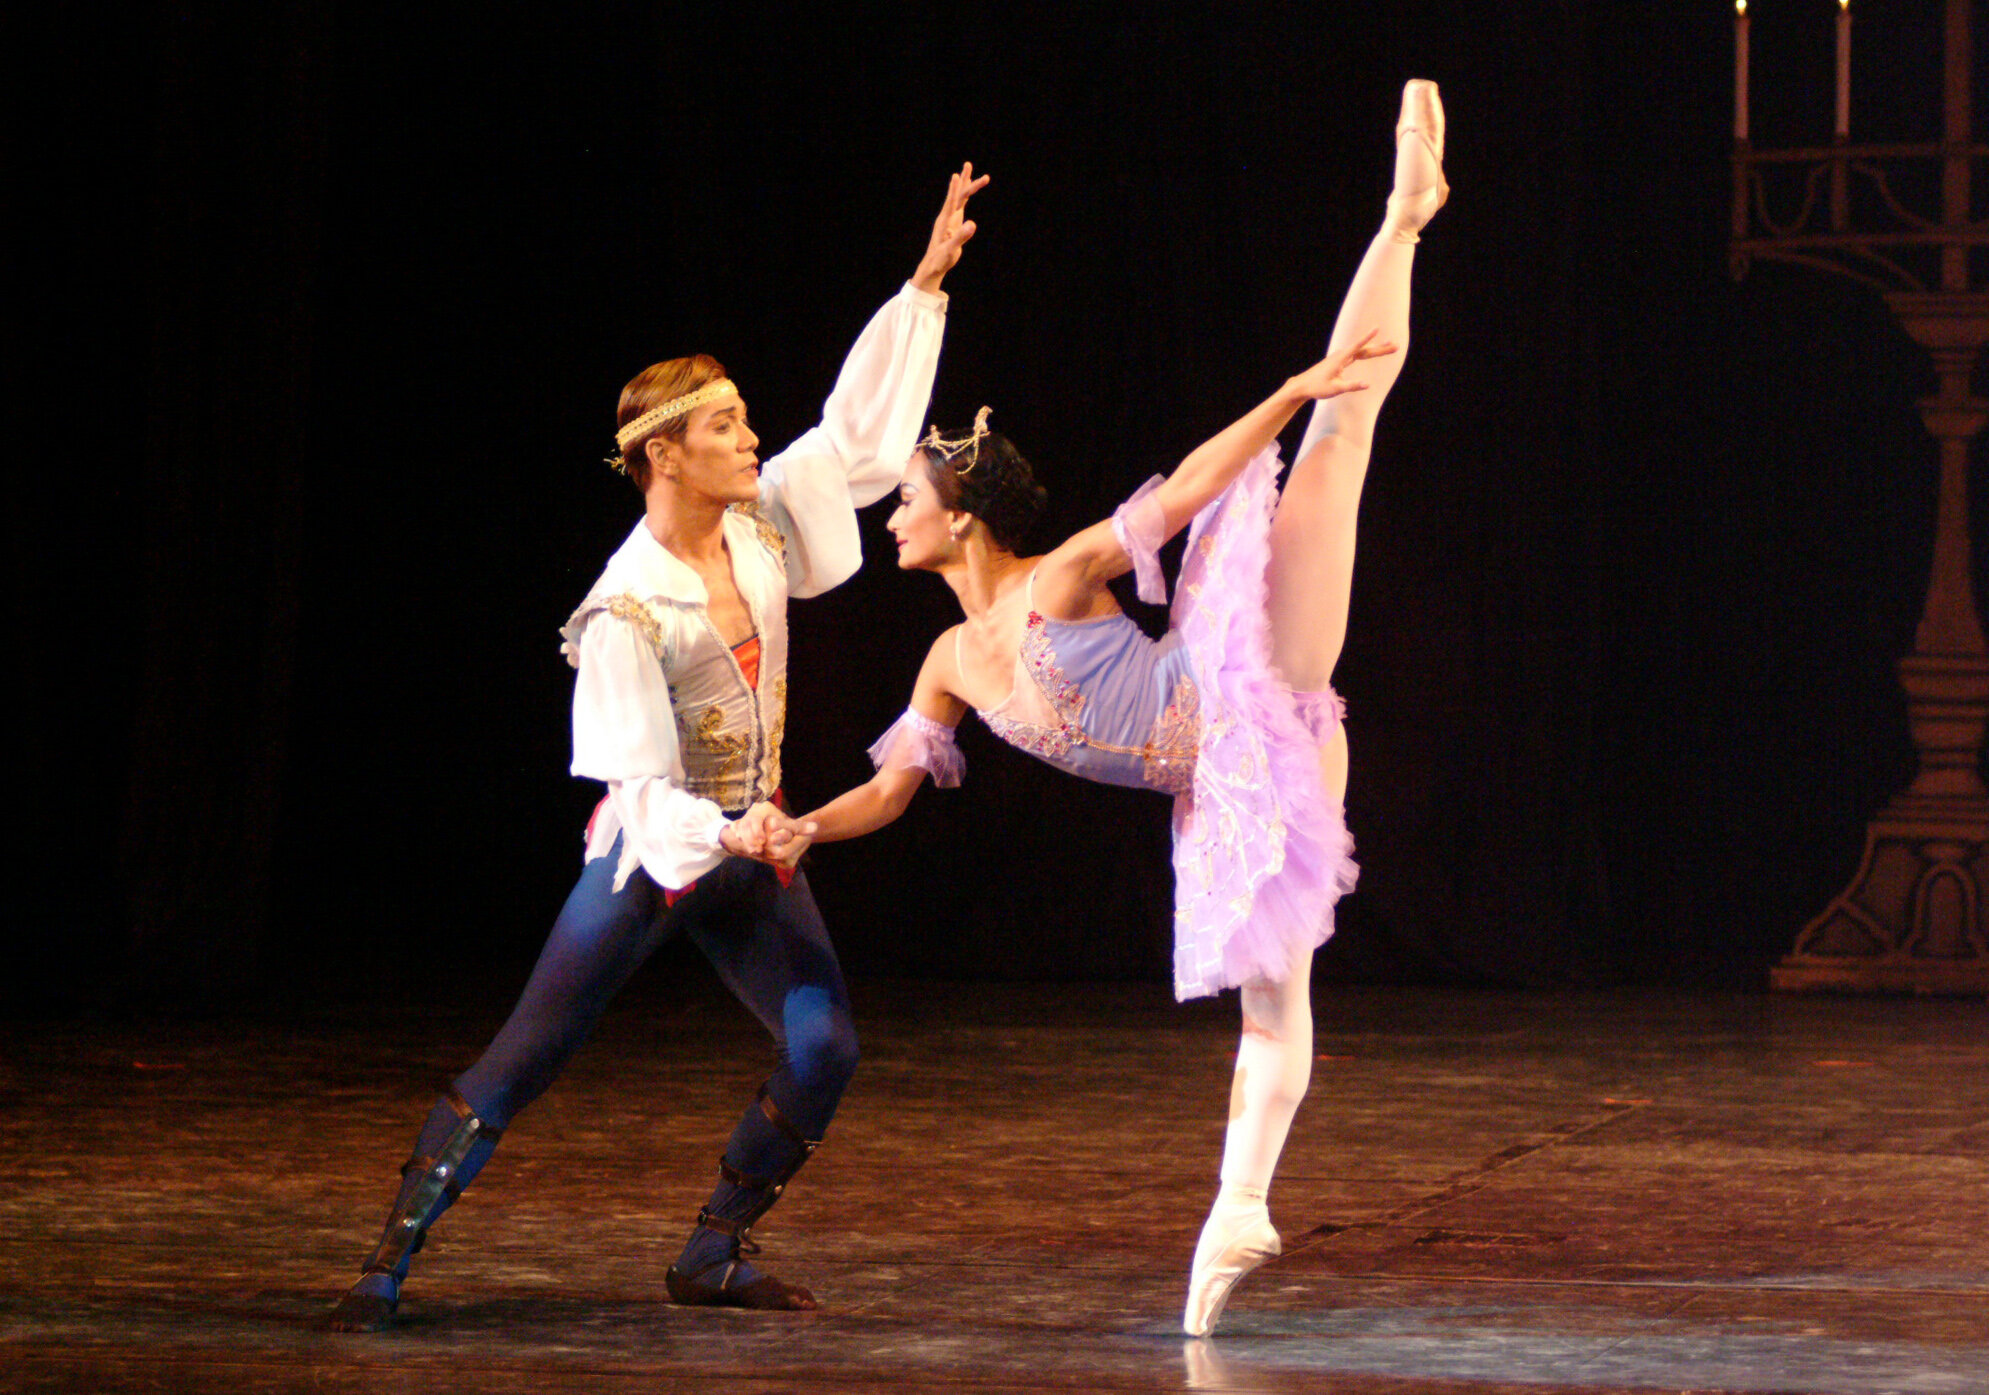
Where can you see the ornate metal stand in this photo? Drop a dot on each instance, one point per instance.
(1913, 918)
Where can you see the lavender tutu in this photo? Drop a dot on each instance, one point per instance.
(1261, 852)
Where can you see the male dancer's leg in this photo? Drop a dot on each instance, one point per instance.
(769, 945)
(599, 940)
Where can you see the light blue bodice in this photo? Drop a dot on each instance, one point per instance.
(1101, 700)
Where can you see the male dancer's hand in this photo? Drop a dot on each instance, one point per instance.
(746, 836)
(950, 230)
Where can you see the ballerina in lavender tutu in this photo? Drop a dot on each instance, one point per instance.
(1231, 712)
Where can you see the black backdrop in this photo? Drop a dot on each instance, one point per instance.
(321, 310)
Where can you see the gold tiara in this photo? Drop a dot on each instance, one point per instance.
(628, 435)
(949, 451)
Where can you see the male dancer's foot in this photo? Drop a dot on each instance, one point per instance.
(1420, 188)
(452, 1147)
(1237, 1237)
(367, 1305)
(712, 1273)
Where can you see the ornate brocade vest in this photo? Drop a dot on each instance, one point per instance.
(728, 733)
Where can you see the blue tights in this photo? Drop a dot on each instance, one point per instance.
(769, 946)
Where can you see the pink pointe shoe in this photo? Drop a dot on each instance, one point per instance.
(1420, 188)
(1233, 1243)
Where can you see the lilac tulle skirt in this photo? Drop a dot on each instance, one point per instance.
(1261, 852)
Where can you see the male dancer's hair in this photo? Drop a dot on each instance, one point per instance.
(652, 387)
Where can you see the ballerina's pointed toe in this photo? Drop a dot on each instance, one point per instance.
(1216, 1277)
(1420, 188)
(1422, 113)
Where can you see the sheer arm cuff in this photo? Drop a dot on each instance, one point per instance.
(916, 742)
(1140, 525)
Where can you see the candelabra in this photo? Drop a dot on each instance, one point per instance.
(1913, 917)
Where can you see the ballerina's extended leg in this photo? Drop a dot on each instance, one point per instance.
(1312, 537)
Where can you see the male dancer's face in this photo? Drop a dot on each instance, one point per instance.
(717, 459)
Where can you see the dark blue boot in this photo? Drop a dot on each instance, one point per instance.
(451, 1148)
(713, 1270)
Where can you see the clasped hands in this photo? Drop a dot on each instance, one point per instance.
(767, 835)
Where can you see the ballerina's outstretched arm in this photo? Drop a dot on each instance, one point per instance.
(1069, 578)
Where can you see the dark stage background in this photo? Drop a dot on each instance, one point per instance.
(322, 308)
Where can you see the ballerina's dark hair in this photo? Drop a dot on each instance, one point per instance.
(981, 472)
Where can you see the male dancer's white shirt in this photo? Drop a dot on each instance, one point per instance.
(661, 710)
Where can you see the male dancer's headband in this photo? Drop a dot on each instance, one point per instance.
(628, 435)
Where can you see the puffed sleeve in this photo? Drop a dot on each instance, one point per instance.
(625, 733)
(857, 455)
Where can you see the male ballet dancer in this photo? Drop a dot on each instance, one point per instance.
(679, 707)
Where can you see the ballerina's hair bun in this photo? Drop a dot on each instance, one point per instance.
(982, 473)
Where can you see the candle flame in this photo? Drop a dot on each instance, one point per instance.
(1844, 5)
(1740, 7)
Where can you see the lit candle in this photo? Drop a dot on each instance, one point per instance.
(1740, 69)
(1843, 68)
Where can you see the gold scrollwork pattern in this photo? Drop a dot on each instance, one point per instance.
(770, 536)
(1168, 761)
(627, 607)
(726, 750)
(776, 730)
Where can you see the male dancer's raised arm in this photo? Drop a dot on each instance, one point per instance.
(628, 730)
(872, 418)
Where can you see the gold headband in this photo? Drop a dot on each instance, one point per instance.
(628, 435)
(969, 445)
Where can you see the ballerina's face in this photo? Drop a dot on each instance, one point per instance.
(921, 524)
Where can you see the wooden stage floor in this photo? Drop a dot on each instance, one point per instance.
(1484, 1193)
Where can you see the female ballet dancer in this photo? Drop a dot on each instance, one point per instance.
(1231, 712)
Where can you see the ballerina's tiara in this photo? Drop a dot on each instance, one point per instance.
(949, 451)
(628, 435)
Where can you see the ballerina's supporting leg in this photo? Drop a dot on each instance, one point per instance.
(1312, 537)
(1273, 1068)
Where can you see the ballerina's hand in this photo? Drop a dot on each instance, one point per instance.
(786, 855)
(1328, 377)
(950, 230)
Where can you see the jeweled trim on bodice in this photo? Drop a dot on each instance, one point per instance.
(1167, 759)
(1170, 749)
(1051, 743)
